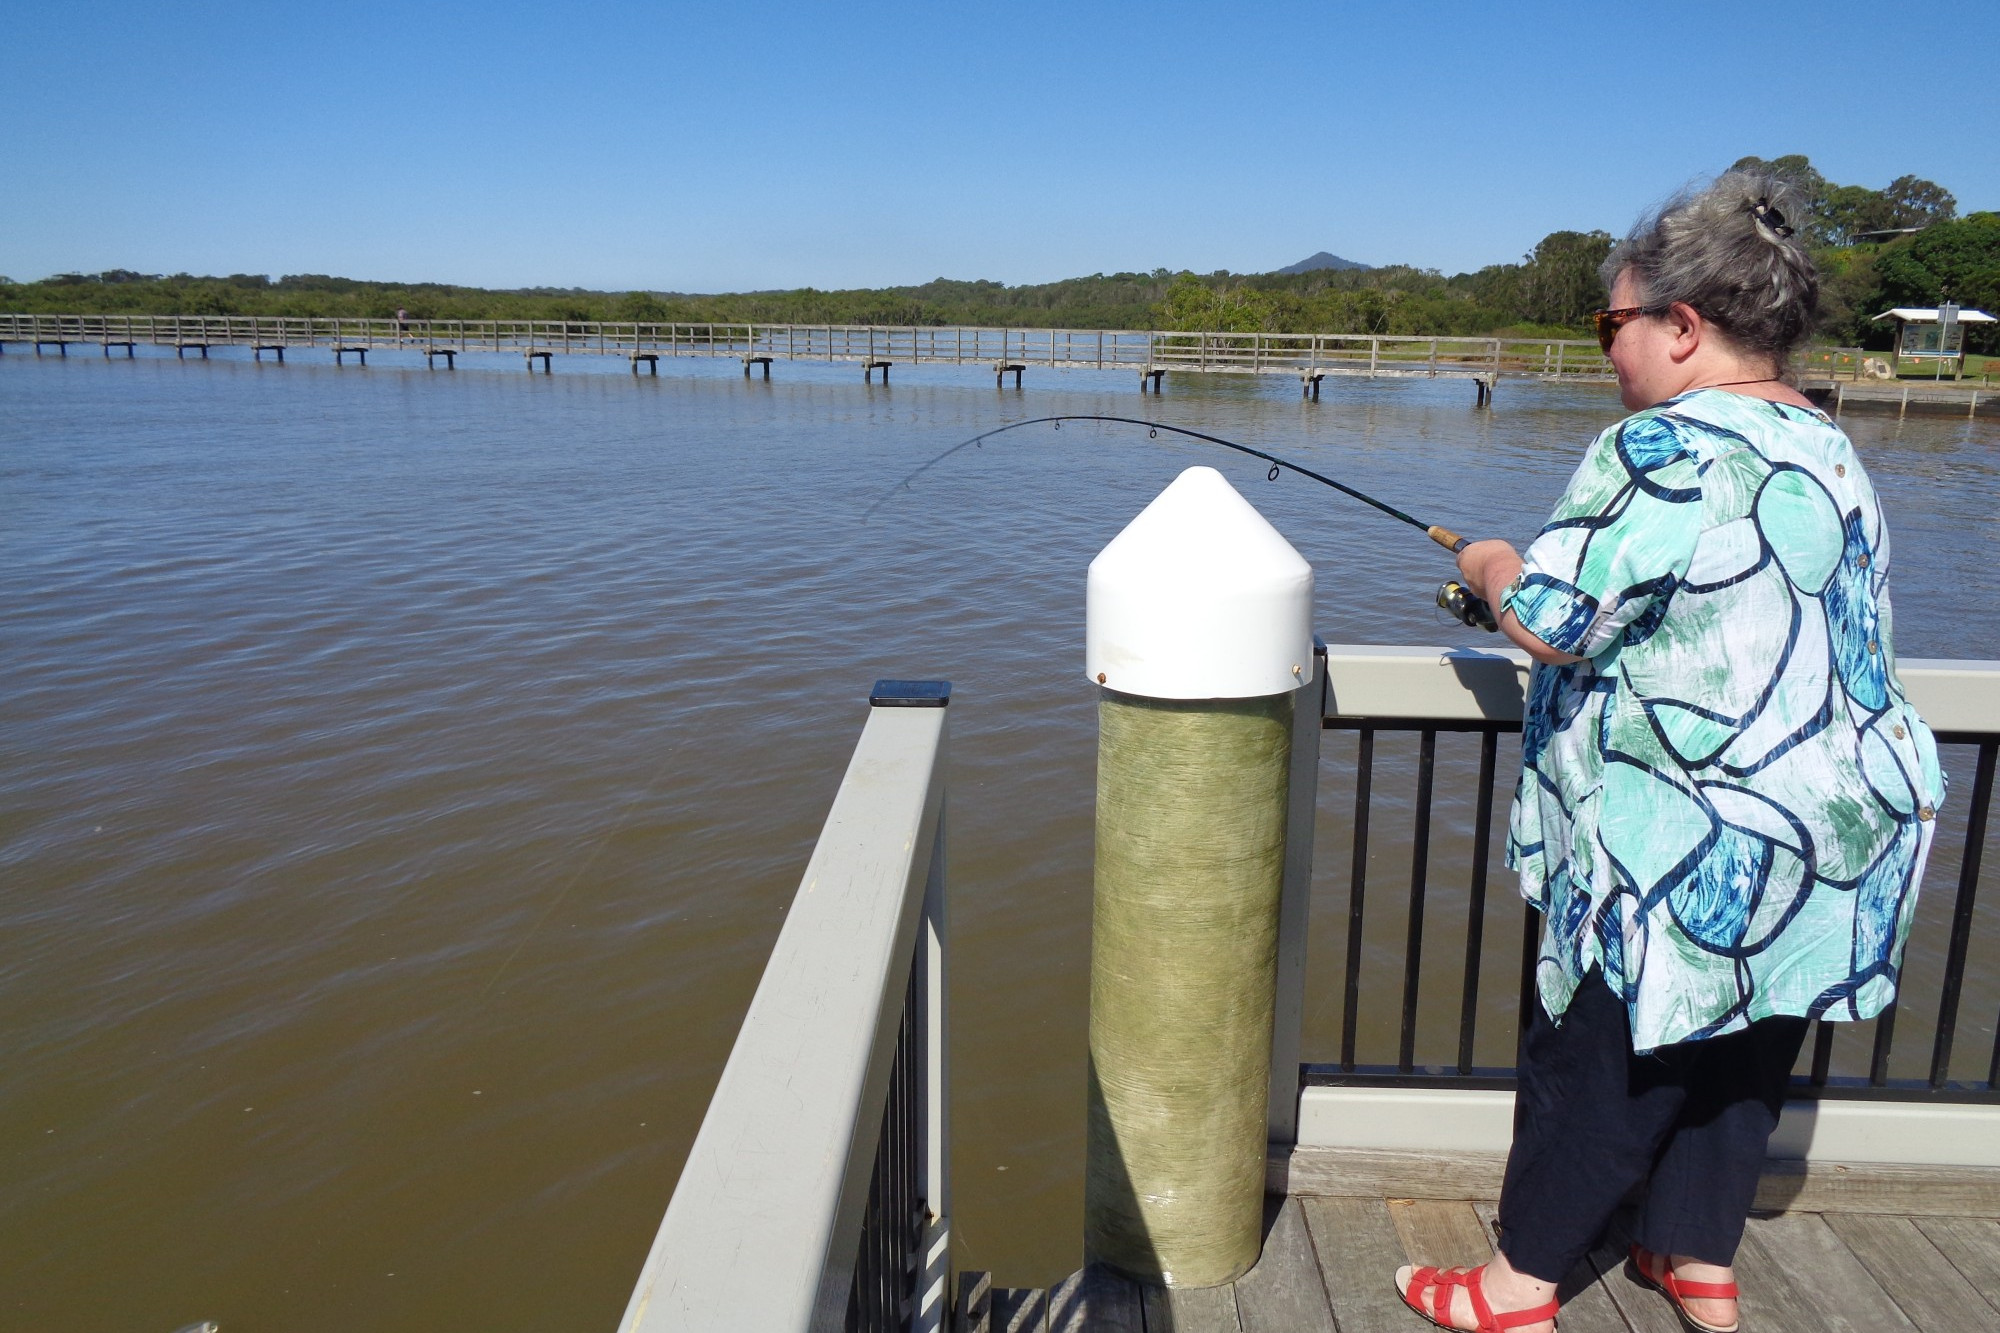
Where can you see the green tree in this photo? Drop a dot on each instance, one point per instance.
(1194, 305)
(1559, 281)
(1958, 261)
(1851, 210)
(1915, 202)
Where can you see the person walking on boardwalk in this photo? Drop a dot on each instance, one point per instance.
(1726, 800)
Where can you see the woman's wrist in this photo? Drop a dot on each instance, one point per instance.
(1488, 567)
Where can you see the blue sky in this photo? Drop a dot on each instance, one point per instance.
(712, 148)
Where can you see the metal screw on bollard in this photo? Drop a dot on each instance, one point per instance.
(1199, 621)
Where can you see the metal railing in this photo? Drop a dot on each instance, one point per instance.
(1429, 693)
(1301, 354)
(817, 1193)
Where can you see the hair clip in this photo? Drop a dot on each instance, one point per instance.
(1769, 220)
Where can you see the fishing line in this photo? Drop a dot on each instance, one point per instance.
(1452, 597)
(617, 827)
(1444, 537)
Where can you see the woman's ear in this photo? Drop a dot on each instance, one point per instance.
(1688, 329)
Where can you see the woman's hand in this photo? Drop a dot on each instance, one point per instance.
(1487, 568)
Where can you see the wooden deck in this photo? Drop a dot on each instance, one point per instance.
(1960, 397)
(1328, 1264)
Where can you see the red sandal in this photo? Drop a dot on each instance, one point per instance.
(1678, 1291)
(1438, 1284)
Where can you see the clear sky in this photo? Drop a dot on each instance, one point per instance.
(731, 147)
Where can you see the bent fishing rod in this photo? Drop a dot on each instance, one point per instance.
(1452, 596)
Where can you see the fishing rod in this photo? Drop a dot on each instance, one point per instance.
(1452, 596)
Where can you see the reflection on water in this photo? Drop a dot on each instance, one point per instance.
(405, 775)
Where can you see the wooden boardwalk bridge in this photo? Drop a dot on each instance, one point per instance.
(1310, 358)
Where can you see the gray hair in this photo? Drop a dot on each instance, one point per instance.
(1731, 251)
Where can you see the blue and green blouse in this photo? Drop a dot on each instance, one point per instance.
(1726, 806)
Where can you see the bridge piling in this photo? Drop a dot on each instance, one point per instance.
(749, 361)
(870, 366)
(1000, 369)
(450, 355)
(1152, 374)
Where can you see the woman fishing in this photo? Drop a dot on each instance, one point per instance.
(1725, 799)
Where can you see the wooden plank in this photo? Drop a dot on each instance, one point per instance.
(1586, 1306)
(1283, 1292)
(1799, 1277)
(1351, 1173)
(1359, 1252)
(1799, 1187)
(1913, 1271)
(1020, 1310)
(975, 1303)
(1444, 1235)
(1973, 1246)
(1873, 1187)
(1191, 1310)
(1096, 1300)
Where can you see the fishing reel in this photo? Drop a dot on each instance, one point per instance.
(1458, 602)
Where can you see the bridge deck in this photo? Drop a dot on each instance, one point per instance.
(1964, 397)
(1305, 356)
(1328, 1264)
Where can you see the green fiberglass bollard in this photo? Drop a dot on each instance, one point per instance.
(1199, 633)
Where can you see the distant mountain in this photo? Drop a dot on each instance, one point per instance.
(1321, 260)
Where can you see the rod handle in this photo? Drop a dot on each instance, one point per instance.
(1446, 538)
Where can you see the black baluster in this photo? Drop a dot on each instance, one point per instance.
(1961, 919)
(1419, 867)
(1475, 927)
(1364, 775)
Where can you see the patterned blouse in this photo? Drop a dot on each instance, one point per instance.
(1727, 804)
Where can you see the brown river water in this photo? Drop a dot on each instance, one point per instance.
(403, 776)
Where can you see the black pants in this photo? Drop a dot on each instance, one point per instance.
(1592, 1120)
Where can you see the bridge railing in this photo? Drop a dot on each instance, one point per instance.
(1445, 722)
(1104, 349)
(1834, 363)
(817, 1193)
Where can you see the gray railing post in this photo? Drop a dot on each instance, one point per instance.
(815, 1187)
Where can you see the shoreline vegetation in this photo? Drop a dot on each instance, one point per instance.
(1901, 246)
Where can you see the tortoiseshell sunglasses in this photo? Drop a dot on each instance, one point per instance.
(1608, 322)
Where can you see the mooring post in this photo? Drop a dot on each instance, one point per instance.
(1199, 635)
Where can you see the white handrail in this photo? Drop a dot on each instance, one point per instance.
(764, 1226)
(1470, 684)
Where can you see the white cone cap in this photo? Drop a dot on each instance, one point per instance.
(1199, 598)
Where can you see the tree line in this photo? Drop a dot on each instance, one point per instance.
(1901, 245)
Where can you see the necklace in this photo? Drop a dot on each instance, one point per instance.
(1731, 384)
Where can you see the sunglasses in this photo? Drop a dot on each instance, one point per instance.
(1608, 322)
